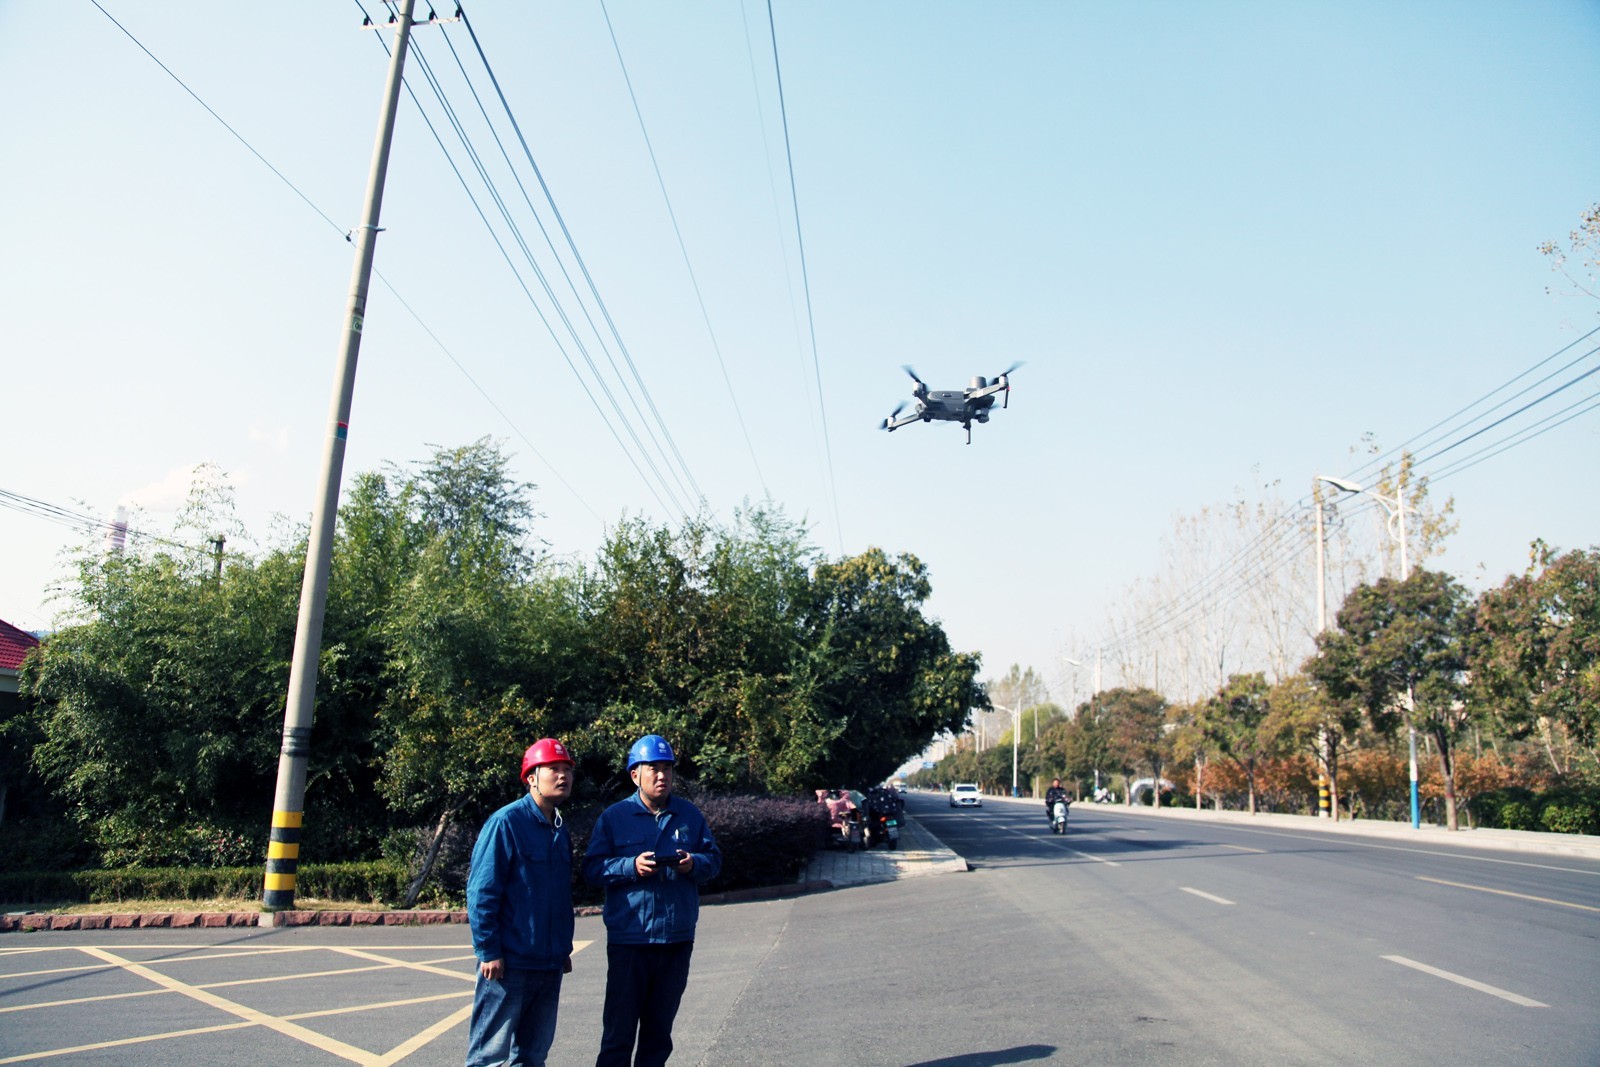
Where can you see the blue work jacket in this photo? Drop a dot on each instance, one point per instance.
(519, 890)
(663, 908)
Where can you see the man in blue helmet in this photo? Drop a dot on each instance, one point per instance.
(651, 852)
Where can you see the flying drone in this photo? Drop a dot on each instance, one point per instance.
(965, 406)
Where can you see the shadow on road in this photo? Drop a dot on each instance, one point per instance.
(1020, 1054)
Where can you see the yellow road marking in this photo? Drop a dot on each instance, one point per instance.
(401, 1051)
(86, 1000)
(457, 995)
(57, 970)
(1507, 893)
(285, 1025)
(327, 1044)
(1243, 848)
(123, 1041)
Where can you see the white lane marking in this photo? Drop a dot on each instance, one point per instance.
(1335, 836)
(1507, 893)
(1075, 852)
(1208, 896)
(1468, 982)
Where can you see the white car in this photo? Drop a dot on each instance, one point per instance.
(965, 795)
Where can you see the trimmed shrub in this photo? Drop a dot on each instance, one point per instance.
(1570, 819)
(765, 841)
(1518, 815)
(378, 882)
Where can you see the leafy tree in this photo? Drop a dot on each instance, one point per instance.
(1304, 716)
(1400, 651)
(1234, 722)
(160, 706)
(881, 667)
(1536, 650)
(1137, 719)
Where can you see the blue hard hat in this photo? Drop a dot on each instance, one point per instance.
(651, 748)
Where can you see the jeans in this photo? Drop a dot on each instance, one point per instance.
(513, 1019)
(644, 984)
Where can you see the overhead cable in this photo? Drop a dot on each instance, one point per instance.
(805, 277)
(694, 281)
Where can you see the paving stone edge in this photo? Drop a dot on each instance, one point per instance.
(29, 922)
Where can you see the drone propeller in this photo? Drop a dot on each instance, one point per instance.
(907, 368)
(1005, 375)
(895, 414)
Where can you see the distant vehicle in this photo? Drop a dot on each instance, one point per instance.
(965, 795)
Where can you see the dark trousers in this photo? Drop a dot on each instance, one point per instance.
(644, 984)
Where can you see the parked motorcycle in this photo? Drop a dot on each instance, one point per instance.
(885, 811)
(846, 830)
(1058, 817)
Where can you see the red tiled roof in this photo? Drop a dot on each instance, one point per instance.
(14, 645)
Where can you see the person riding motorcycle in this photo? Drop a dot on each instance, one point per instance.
(1053, 794)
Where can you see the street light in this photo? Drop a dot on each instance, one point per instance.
(1396, 510)
(1016, 728)
(1322, 610)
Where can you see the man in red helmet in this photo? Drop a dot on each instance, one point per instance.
(519, 901)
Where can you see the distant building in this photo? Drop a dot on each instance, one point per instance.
(15, 645)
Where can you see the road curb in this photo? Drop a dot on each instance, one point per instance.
(32, 922)
(1541, 842)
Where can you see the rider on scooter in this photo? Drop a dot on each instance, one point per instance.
(1053, 794)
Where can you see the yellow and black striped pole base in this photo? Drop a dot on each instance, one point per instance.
(1323, 807)
(283, 861)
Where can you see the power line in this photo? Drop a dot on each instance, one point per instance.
(578, 257)
(343, 233)
(539, 274)
(805, 276)
(1251, 564)
(682, 248)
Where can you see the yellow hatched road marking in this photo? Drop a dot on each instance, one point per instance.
(1507, 893)
(25, 1057)
(285, 1025)
(406, 1048)
(327, 1044)
(457, 995)
(87, 1000)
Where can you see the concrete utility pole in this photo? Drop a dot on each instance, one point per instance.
(288, 804)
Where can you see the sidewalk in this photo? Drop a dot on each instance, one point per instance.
(919, 853)
(1548, 844)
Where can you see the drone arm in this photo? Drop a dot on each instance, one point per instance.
(903, 420)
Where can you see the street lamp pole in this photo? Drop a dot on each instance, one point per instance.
(1325, 807)
(1396, 510)
(1016, 728)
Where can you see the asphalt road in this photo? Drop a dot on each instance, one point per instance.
(1131, 940)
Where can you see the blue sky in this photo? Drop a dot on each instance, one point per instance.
(1227, 239)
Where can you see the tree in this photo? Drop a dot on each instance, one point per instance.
(1400, 651)
(160, 705)
(1304, 716)
(1234, 722)
(1138, 730)
(1583, 246)
(1536, 651)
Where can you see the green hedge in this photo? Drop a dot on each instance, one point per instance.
(1564, 810)
(379, 881)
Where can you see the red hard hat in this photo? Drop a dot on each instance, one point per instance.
(545, 750)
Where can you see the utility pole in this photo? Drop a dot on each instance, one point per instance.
(217, 543)
(288, 804)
